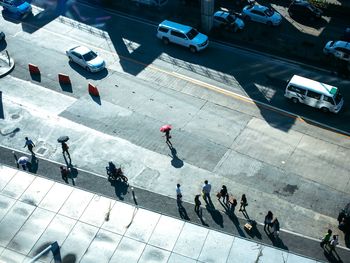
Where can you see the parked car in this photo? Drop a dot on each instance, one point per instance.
(262, 14)
(171, 32)
(304, 9)
(228, 21)
(339, 49)
(86, 58)
(2, 35)
(19, 8)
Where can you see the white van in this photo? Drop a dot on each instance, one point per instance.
(314, 93)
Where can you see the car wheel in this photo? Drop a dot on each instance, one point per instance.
(324, 110)
(295, 100)
(269, 23)
(193, 49)
(165, 41)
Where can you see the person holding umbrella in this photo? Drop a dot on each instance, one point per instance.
(63, 140)
(166, 129)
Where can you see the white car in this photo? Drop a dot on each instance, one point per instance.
(228, 21)
(262, 14)
(339, 49)
(86, 58)
(171, 32)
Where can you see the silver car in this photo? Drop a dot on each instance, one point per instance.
(86, 58)
(227, 20)
(262, 14)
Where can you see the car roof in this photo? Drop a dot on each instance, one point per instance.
(258, 7)
(301, 2)
(340, 43)
(81, 50)
(314, 85)
(174, 25)
(221, 13)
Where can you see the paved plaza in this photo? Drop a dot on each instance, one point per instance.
(35, 212)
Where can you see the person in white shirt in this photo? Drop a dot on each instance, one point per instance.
(206, 191)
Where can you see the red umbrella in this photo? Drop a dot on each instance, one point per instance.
(165, 128)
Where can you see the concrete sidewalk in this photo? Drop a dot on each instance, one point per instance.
(13, 180)
(36, 212)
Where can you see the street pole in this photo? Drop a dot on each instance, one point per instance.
(207, 11)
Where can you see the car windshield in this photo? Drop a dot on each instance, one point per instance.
(337, 98)
(269, 12)
(231, 18)
(89, 56)
(192, 34)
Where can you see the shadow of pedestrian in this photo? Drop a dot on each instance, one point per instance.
(182, 211)
(73, 173)
(231, 214)
(215, 215)
(34, 165)
(120, 188)
(277, 241)
(176, 161)
(200, 216)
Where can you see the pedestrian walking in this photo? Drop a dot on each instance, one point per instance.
(29, 144)
(65, 148)
(276, 227)
(64, 173)
(206, 191)
(168, 137)
(223, 194)
(178, 192)
(197, 204)
(333, 243)
(244, 203)
(268, 221)
(327, 238)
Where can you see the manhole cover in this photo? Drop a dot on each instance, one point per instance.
(41, 150)
(14, 116)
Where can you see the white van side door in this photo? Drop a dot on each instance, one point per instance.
(312, 98)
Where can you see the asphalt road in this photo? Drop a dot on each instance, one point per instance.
(219, 133)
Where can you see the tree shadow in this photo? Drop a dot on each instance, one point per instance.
(175, 161)
(120, 188)
(11, 133)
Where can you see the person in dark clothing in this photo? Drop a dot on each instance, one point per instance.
(268, 221)
(197, 204)
(64, 173)
(168, 137)
(65, 148)
(29, 144)
(223, 194)
(244, 203)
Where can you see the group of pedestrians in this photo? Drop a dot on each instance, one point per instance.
(222, 195)
(329, 242)
(271, 222)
